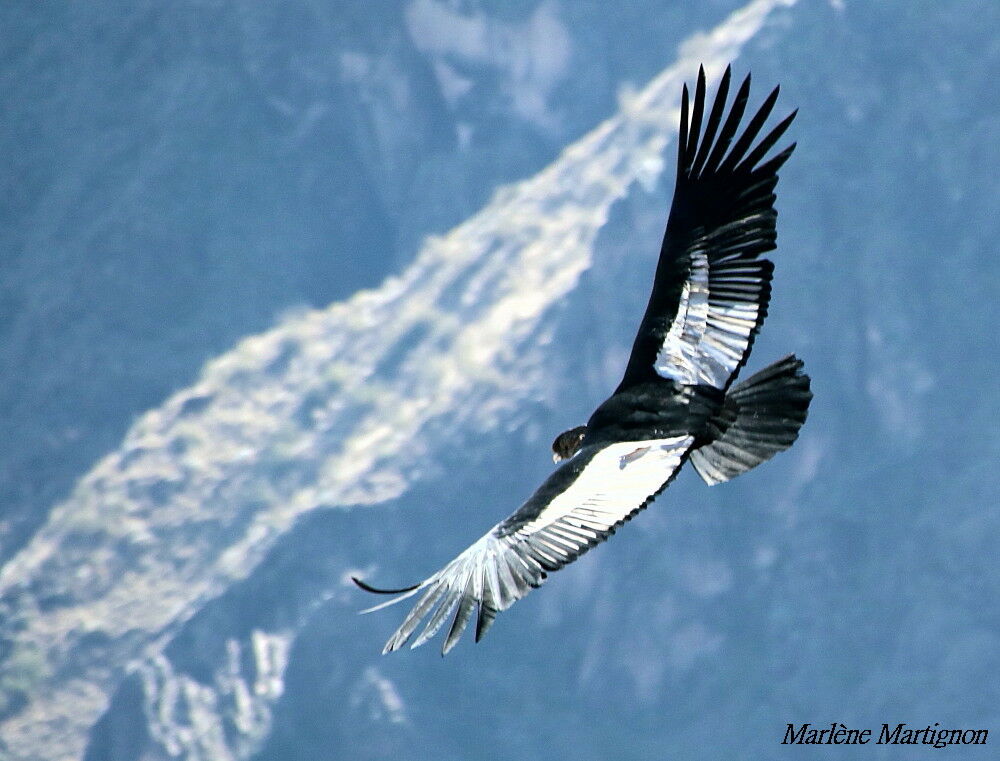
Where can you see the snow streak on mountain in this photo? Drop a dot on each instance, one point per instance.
(336, 407)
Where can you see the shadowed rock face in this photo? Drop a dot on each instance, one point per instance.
(186, 599)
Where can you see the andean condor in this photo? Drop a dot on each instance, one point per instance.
(676, 401)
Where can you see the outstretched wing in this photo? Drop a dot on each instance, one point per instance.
(711, 290)
(579, 505)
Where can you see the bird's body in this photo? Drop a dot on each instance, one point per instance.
(676, 401)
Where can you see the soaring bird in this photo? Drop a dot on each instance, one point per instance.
(676, 401)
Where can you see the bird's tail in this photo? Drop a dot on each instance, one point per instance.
(760, 417)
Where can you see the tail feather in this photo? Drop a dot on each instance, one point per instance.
(761, 417)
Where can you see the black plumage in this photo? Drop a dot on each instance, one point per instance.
(722, 211)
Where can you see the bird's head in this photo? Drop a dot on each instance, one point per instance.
(568, 443)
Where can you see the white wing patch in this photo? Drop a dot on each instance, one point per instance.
(719, 310)
(612, 486)
(679, 358)
(509, 561)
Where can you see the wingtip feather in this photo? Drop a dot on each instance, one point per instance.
(379, 591)
(729, 128)
(462, 616)
(682, 132)
(697, 112)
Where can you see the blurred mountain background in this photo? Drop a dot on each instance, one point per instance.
(290, 291)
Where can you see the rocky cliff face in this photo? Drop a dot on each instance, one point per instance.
(186, 597)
